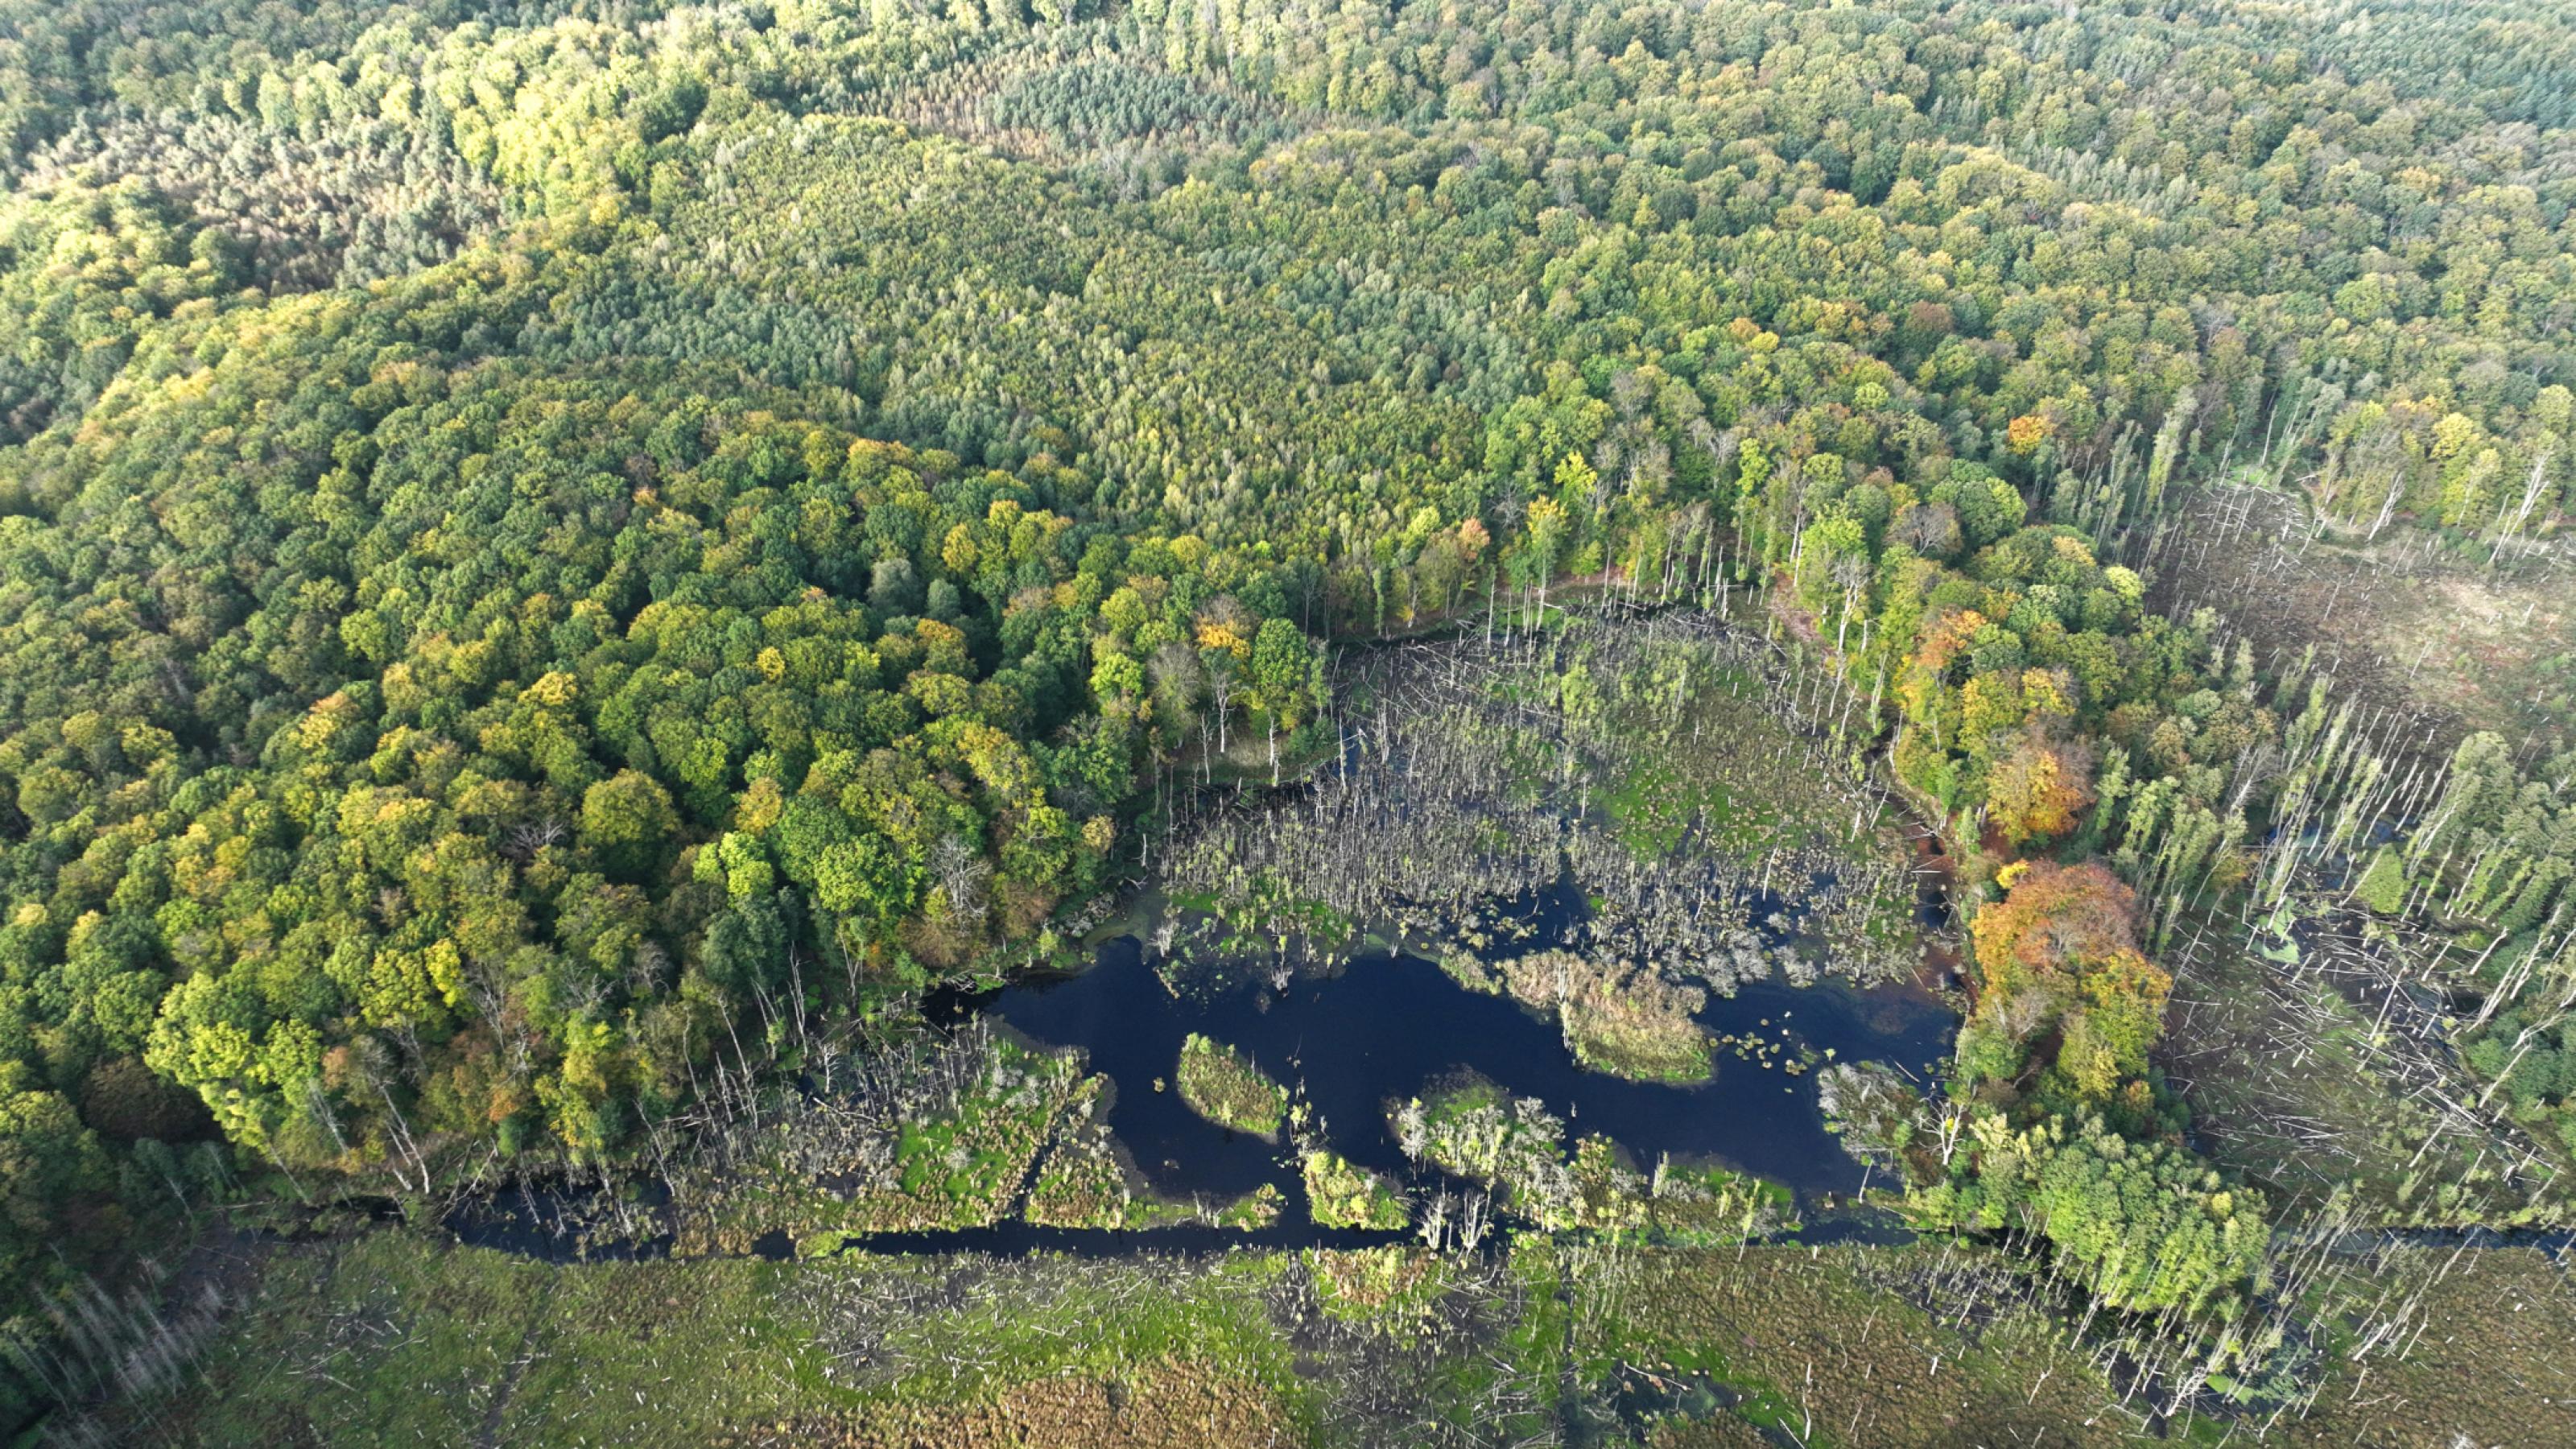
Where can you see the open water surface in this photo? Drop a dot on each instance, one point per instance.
(1388, 1027)
(1354, 1044)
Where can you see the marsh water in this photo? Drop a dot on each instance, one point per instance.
(1355, 1042)
(1391, 1026)
(1357, 1039)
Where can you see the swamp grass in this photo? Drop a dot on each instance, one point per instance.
(1810, 1344)
(394, 1337)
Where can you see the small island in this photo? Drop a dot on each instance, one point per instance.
(1340, 1194)
(1220, 1085)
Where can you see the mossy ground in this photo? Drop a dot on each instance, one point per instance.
(1705, 774)
(1669, 781)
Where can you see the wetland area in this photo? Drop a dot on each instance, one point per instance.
(1386, 1028)
(1349, 1045)
(1564, 935)
(1514, 1074)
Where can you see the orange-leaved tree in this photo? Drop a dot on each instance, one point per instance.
(2060, 954)
(2037, 787)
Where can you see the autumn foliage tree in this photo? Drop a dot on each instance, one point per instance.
(2033, 793)
(2058, 962)
(2055, 1124)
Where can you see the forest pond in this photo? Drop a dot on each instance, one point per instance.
(1350, 1045)
(1387, 1027)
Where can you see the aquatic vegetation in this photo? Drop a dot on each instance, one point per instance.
(1340, 1195)
(1727, 843)
(1220, 1085)
(1609, 1195)
(1384, 1029)
(1881, 1118)
(1258, 1208)
(1474, 1129)
(1617, 1019)
(1516, 1147)
(1702, 1203)
(946, 1139)
(1084, 1181)
(1390, 1287)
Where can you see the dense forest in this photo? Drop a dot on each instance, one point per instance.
(556, 557)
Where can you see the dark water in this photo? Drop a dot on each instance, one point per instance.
(575, 1224)
(1390, 1027)
(1353, 1044)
